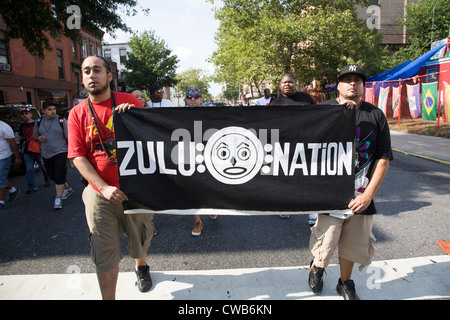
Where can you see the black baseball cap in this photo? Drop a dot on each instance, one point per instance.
(25, 110)
(154, 87)
(353, 69)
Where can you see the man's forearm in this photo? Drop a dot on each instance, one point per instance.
(88, 171)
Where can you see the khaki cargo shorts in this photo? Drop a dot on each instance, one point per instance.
(352, 236)
(105, 218)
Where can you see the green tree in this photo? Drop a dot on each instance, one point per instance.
(150, 62)
(33, 21)
(194, 78)
(231, 91)
(312, 39)
(421, 26)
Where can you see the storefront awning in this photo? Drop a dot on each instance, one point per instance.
(50, 93)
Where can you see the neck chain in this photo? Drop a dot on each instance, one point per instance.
(110, 147)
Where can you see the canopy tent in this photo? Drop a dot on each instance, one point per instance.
(407, 69)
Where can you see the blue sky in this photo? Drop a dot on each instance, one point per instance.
(187, 27)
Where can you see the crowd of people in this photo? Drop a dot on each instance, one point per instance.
(93, 154)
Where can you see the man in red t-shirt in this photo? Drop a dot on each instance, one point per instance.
(93, 150)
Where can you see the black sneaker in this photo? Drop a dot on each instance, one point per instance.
(30, 191)
(315, 279)
(347, 290)
(144, 281)
(13, 195)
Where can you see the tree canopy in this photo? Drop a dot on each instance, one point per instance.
(312, 39)
(33, 21)
(423, 28)
(150, 62)
(194, 77)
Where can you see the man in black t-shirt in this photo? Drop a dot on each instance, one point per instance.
(289, 95)
(353, 234)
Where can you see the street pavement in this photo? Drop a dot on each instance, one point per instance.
(423, 277)
(413, 278)
(427, 147)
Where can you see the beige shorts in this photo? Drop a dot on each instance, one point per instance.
(352, 236)
(105, 218)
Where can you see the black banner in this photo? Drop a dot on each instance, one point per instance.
(236, 160)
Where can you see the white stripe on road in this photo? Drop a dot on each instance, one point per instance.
(412, 278)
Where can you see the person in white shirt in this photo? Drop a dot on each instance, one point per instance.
(156, 94)
(7, 142)
(264, 101)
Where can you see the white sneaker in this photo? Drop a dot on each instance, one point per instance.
(312, 218)
(58, 203)
(66, 193)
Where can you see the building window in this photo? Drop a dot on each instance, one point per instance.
(123, 55)
(84, 49)
(74, 50)
(3, 48)
(99, 50)
(77, 84)
(60, 63)
(107, 54)
(92, 51)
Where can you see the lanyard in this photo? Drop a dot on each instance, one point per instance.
(110, 146)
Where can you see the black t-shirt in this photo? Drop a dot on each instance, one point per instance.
(372, 141)
(297, 99)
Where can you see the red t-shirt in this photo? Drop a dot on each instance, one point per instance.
(84, 140)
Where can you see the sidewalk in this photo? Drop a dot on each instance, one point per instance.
(428, 147)
(413, 278)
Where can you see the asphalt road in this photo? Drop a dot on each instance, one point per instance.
(413, 205)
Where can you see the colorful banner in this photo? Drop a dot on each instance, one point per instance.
(369, 95)
(446, 103)
(396, 96)
(383, 98)
(429, 101)
(415, 107)
(236, 160)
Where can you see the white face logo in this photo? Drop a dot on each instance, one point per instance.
(233, 155)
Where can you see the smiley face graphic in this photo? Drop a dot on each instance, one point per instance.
(233, 155)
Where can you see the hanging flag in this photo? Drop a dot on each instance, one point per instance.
(383, 98)
(396, 95)
(446, 102)
(369, 95)
(414, 100)
(429, 101)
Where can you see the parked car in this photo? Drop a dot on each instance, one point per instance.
(215, 104)
(11, 115)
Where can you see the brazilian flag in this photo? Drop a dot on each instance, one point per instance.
(429, 101)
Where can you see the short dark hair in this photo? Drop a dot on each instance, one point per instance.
(48, 103)
(290, 75)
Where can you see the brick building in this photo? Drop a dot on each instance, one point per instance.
(395, 36)
(27, 78)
